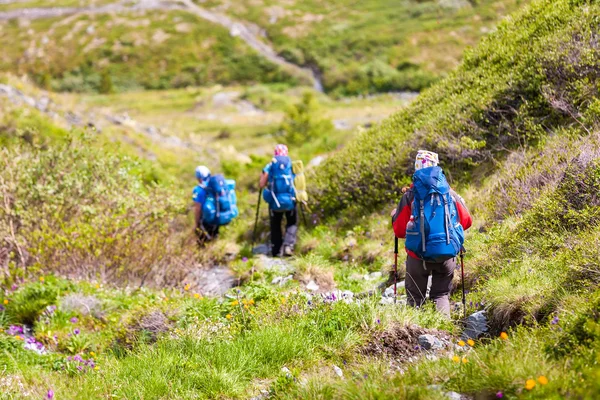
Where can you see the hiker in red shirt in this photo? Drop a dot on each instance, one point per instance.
(418, 269)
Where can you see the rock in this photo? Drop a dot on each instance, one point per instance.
(312, 286)
(81, 304)
(389, 291)
(261, 249)
(281, 280)
(476, 325)
(373, 276)
(430, 342)
(315, 162)
(287, 372)
(453, 395)
(338, 371)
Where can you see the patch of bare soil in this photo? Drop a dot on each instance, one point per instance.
(399, 341)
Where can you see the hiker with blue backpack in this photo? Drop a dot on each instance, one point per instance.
(277, 180)
(215, 204)
(432, 218)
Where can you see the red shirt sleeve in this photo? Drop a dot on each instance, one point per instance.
(402, 215)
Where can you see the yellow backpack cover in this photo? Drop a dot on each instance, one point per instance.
(300, 182)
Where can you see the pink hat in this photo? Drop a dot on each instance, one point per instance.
(281, 150)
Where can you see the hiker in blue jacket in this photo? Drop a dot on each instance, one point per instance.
(277, 179)
(202, 230)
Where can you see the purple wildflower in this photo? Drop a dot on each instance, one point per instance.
(79, 367)
(554, 320)
(499, 395)
(50, 394)
(244, 259)
(378, 321)
(2, 308)
(77, 358)
(76, 331)
(74, 320)
(14, 287)
(15, 330)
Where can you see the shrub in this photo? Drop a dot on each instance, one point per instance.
(81, 209)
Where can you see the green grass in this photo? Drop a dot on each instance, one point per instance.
(359, 48)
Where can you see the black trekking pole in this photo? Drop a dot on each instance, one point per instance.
(395, 266)
(256, 220)
(462, 272)
(302, 212)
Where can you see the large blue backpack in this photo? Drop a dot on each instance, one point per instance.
(280, 193)
(434, 233)
(220, 206)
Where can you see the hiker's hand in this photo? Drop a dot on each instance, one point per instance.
(393, 213)
(405, 189)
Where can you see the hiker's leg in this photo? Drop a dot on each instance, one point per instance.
(441, 284)
(276, 236)
(415, 281)
(291, 227)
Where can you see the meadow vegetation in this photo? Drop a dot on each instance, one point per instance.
(517, 128)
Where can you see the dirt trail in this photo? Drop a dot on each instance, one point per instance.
(245, 31)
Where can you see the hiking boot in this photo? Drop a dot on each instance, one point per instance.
(287, 251)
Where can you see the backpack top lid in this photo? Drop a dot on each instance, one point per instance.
(216, 184)
(281, 165)
(430, 180)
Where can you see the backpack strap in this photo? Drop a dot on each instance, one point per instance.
(447, 219)
(422, 223)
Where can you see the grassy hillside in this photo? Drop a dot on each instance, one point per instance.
(363, 47)
(372, 46)
(517, 127)
(535, 76)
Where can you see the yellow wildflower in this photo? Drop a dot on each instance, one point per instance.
(96, 368)
(18, 337)
(235, 303)
(166, 299)
(92, 354)
(5, 301)
(97, 286)
(471, 342)
(42, 279)
(228, 316)
(246, 306)
(461, 343)
(244, 302)
(530, 384)
(283, 300)
(186, 287)
(504, 336)
(542, 380)
(456, 359)
(251, 301)
(464, 360)
(196, 295)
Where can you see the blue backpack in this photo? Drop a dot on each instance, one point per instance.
(220, 206)
(281, 194)
(434, 233)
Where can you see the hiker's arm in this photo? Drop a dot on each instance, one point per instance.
(264, 177)
(197, 215)
(401, 217)
(463, 212)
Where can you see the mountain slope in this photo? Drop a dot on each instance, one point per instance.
(537, 74)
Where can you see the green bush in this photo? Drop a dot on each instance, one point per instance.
(80, 208)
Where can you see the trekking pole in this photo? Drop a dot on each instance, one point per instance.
(462, 271)
(256, 220)
(303, 215)
(395, 266)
